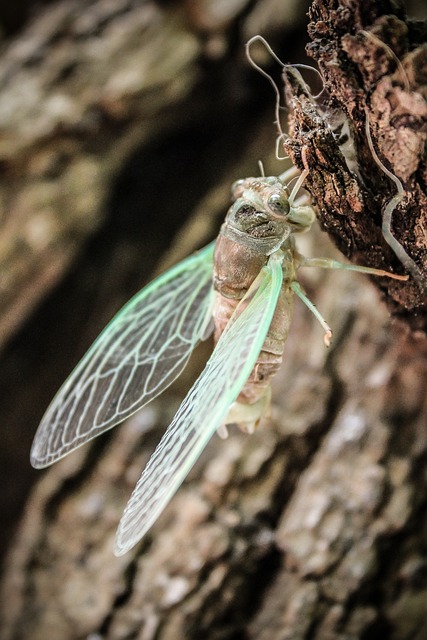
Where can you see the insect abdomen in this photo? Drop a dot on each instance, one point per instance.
(235, 268)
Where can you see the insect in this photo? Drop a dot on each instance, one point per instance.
(246, 282)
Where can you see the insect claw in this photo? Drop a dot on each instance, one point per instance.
(304, 159)
(395, 276)
(249, 427)
(327, 338)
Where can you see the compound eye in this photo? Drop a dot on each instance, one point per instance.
(278, 204)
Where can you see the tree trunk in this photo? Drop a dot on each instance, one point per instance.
(135, 116)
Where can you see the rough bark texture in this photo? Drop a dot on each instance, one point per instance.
(315, 526)
(374, 69)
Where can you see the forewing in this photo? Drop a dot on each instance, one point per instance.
(140, 353)
(204, 409)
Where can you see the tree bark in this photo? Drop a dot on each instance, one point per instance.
(314, 526)
(373, 67)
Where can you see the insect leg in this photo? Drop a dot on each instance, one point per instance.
(289, 174)
(296, 288)
(327, 263)
(298, 184)
(300, 212)
(302, 201)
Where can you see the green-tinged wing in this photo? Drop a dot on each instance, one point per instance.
(204, 408)
(140, 353)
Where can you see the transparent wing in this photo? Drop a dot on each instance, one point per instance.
(205, 407)
(140, 353)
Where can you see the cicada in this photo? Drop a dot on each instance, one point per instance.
(243, 287)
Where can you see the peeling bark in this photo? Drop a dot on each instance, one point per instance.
(315, 526)
(373, 66)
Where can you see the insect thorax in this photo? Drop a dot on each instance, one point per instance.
(261, 220)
